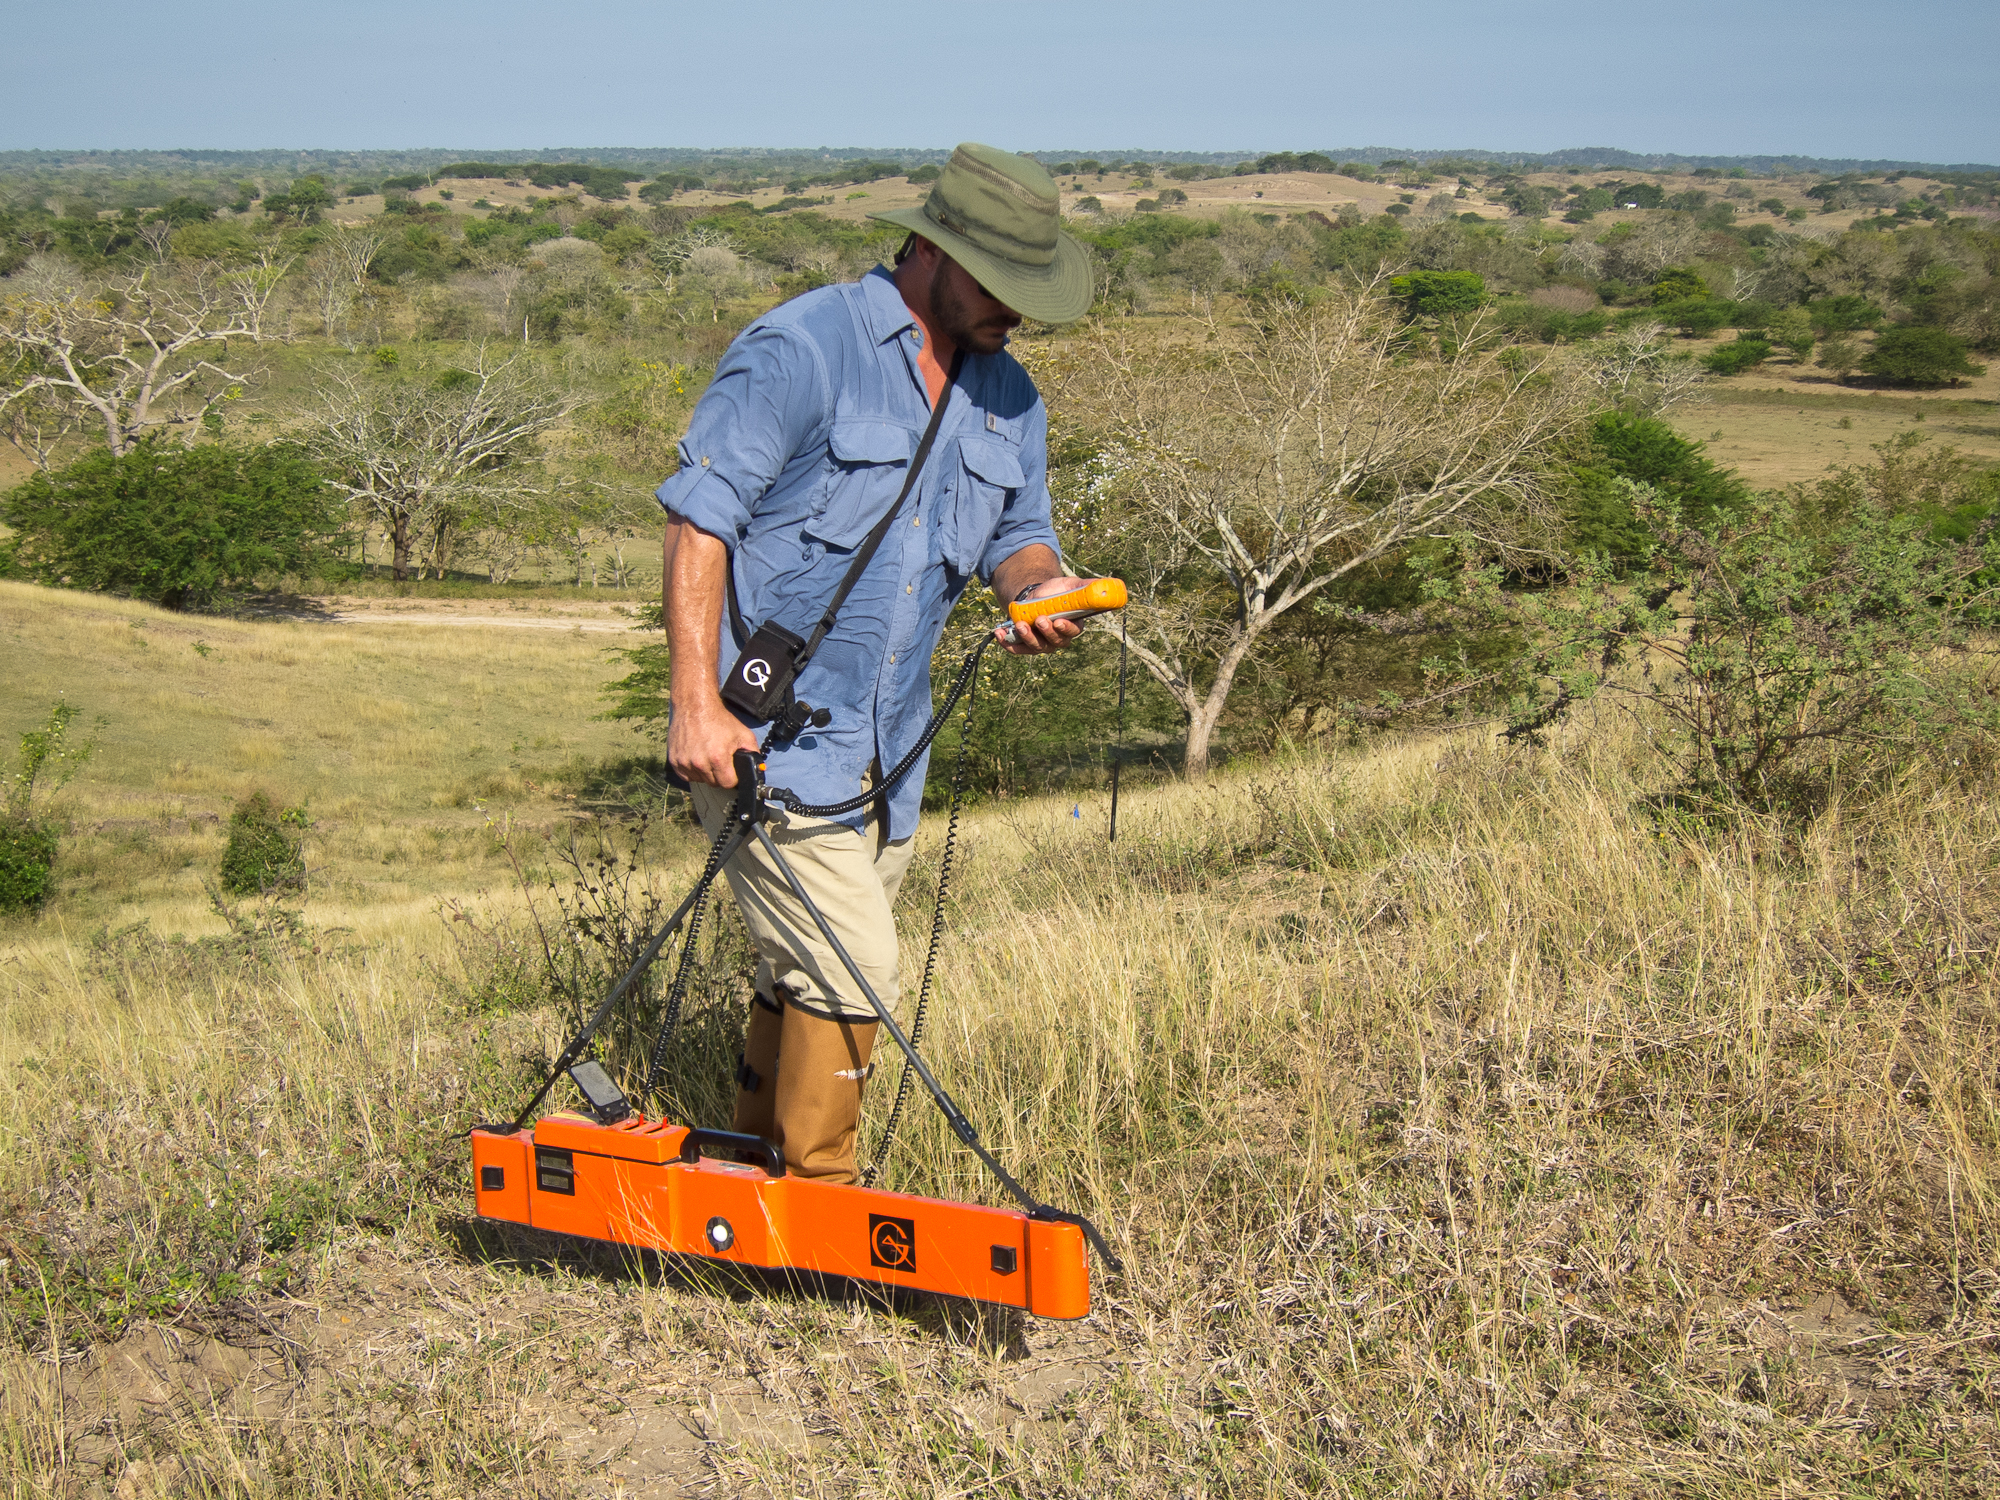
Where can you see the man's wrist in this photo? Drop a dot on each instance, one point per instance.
(702, 700)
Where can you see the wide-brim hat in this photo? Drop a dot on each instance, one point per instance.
(997, 215)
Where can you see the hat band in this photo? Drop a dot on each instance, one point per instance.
(1004, 246)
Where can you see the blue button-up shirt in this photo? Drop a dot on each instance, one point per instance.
(799, 446)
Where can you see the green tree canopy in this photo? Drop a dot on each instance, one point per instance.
(1625, 447)
(1920, 356)
(169, 524)
(1439, 294)
(1677, 283)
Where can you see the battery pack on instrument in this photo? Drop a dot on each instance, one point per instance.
(639, 1183)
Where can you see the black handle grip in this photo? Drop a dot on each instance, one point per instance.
(735, 1144)
(749, 783)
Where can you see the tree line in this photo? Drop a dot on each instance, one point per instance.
(1469, 397)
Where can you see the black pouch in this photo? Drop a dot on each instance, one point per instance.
(759, 686)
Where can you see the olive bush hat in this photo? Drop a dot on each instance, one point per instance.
(995, 213)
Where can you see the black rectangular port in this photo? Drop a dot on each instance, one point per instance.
(1003, 1260)
(555, 1170)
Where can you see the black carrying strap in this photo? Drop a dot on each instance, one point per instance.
(872, 543)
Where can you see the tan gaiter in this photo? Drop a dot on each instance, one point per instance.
(819, 1093)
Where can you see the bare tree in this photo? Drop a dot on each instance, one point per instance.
(134, 354)
(1650, 249)
(337, 273)
(1637, 368)
(413, 452)
(1259, 467)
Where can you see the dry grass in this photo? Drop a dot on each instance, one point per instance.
(1777, 437)
(404, 742)
(1467, 1130)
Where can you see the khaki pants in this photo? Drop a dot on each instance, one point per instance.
(852, 876)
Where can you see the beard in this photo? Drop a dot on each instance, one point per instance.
(975, 324)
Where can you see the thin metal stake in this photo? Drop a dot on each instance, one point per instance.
(1117, 761)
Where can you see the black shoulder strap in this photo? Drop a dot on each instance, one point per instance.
(868, 549)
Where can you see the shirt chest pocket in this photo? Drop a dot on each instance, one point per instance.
(867, 461)
(989, 475)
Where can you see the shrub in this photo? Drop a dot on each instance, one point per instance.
(47, 759)
(1677, 284)
(1696, 317)
(265, 852)
(1841, 355)
(1734, 359)
(1437, 294)
(1814, 628)
(27, 862)
(1626, 450)
(1920, 356)
(173, 525)
(1551, 323)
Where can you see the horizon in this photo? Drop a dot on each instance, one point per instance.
(226, 73)
(1598, 158)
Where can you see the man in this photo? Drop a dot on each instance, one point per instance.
(799, 447)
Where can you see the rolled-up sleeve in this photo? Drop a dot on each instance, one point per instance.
(768, 395)
(1026, 518)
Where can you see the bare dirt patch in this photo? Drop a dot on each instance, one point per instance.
(563, 1368)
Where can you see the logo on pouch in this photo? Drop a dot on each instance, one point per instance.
(756, 671)
(892, 1242)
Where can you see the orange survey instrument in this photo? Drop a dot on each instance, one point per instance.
(1099, 596)
(645, 1184)
(615, 1175)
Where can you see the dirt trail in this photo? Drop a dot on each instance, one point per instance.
(504, 614)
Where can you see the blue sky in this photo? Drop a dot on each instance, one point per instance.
(1835, 79)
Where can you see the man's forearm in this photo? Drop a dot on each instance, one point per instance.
(696, 571)
(705, 735)
(1033, 564)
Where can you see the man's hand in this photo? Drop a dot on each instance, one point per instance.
(1039, 636)
(1035, 564)
(704, 738)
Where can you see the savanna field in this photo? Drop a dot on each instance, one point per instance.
(1534, 1033)
(1469, 1121)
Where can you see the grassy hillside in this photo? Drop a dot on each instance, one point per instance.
(1467, 1128)
(394, 737)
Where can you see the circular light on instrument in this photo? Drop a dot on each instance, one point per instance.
(720, 1235)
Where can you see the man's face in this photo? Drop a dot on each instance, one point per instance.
(966, 313)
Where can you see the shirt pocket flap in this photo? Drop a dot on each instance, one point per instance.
(992, 470)
(995, 463)
(861, 440)
(870, 461)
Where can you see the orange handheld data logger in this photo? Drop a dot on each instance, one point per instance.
(1097, 597)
